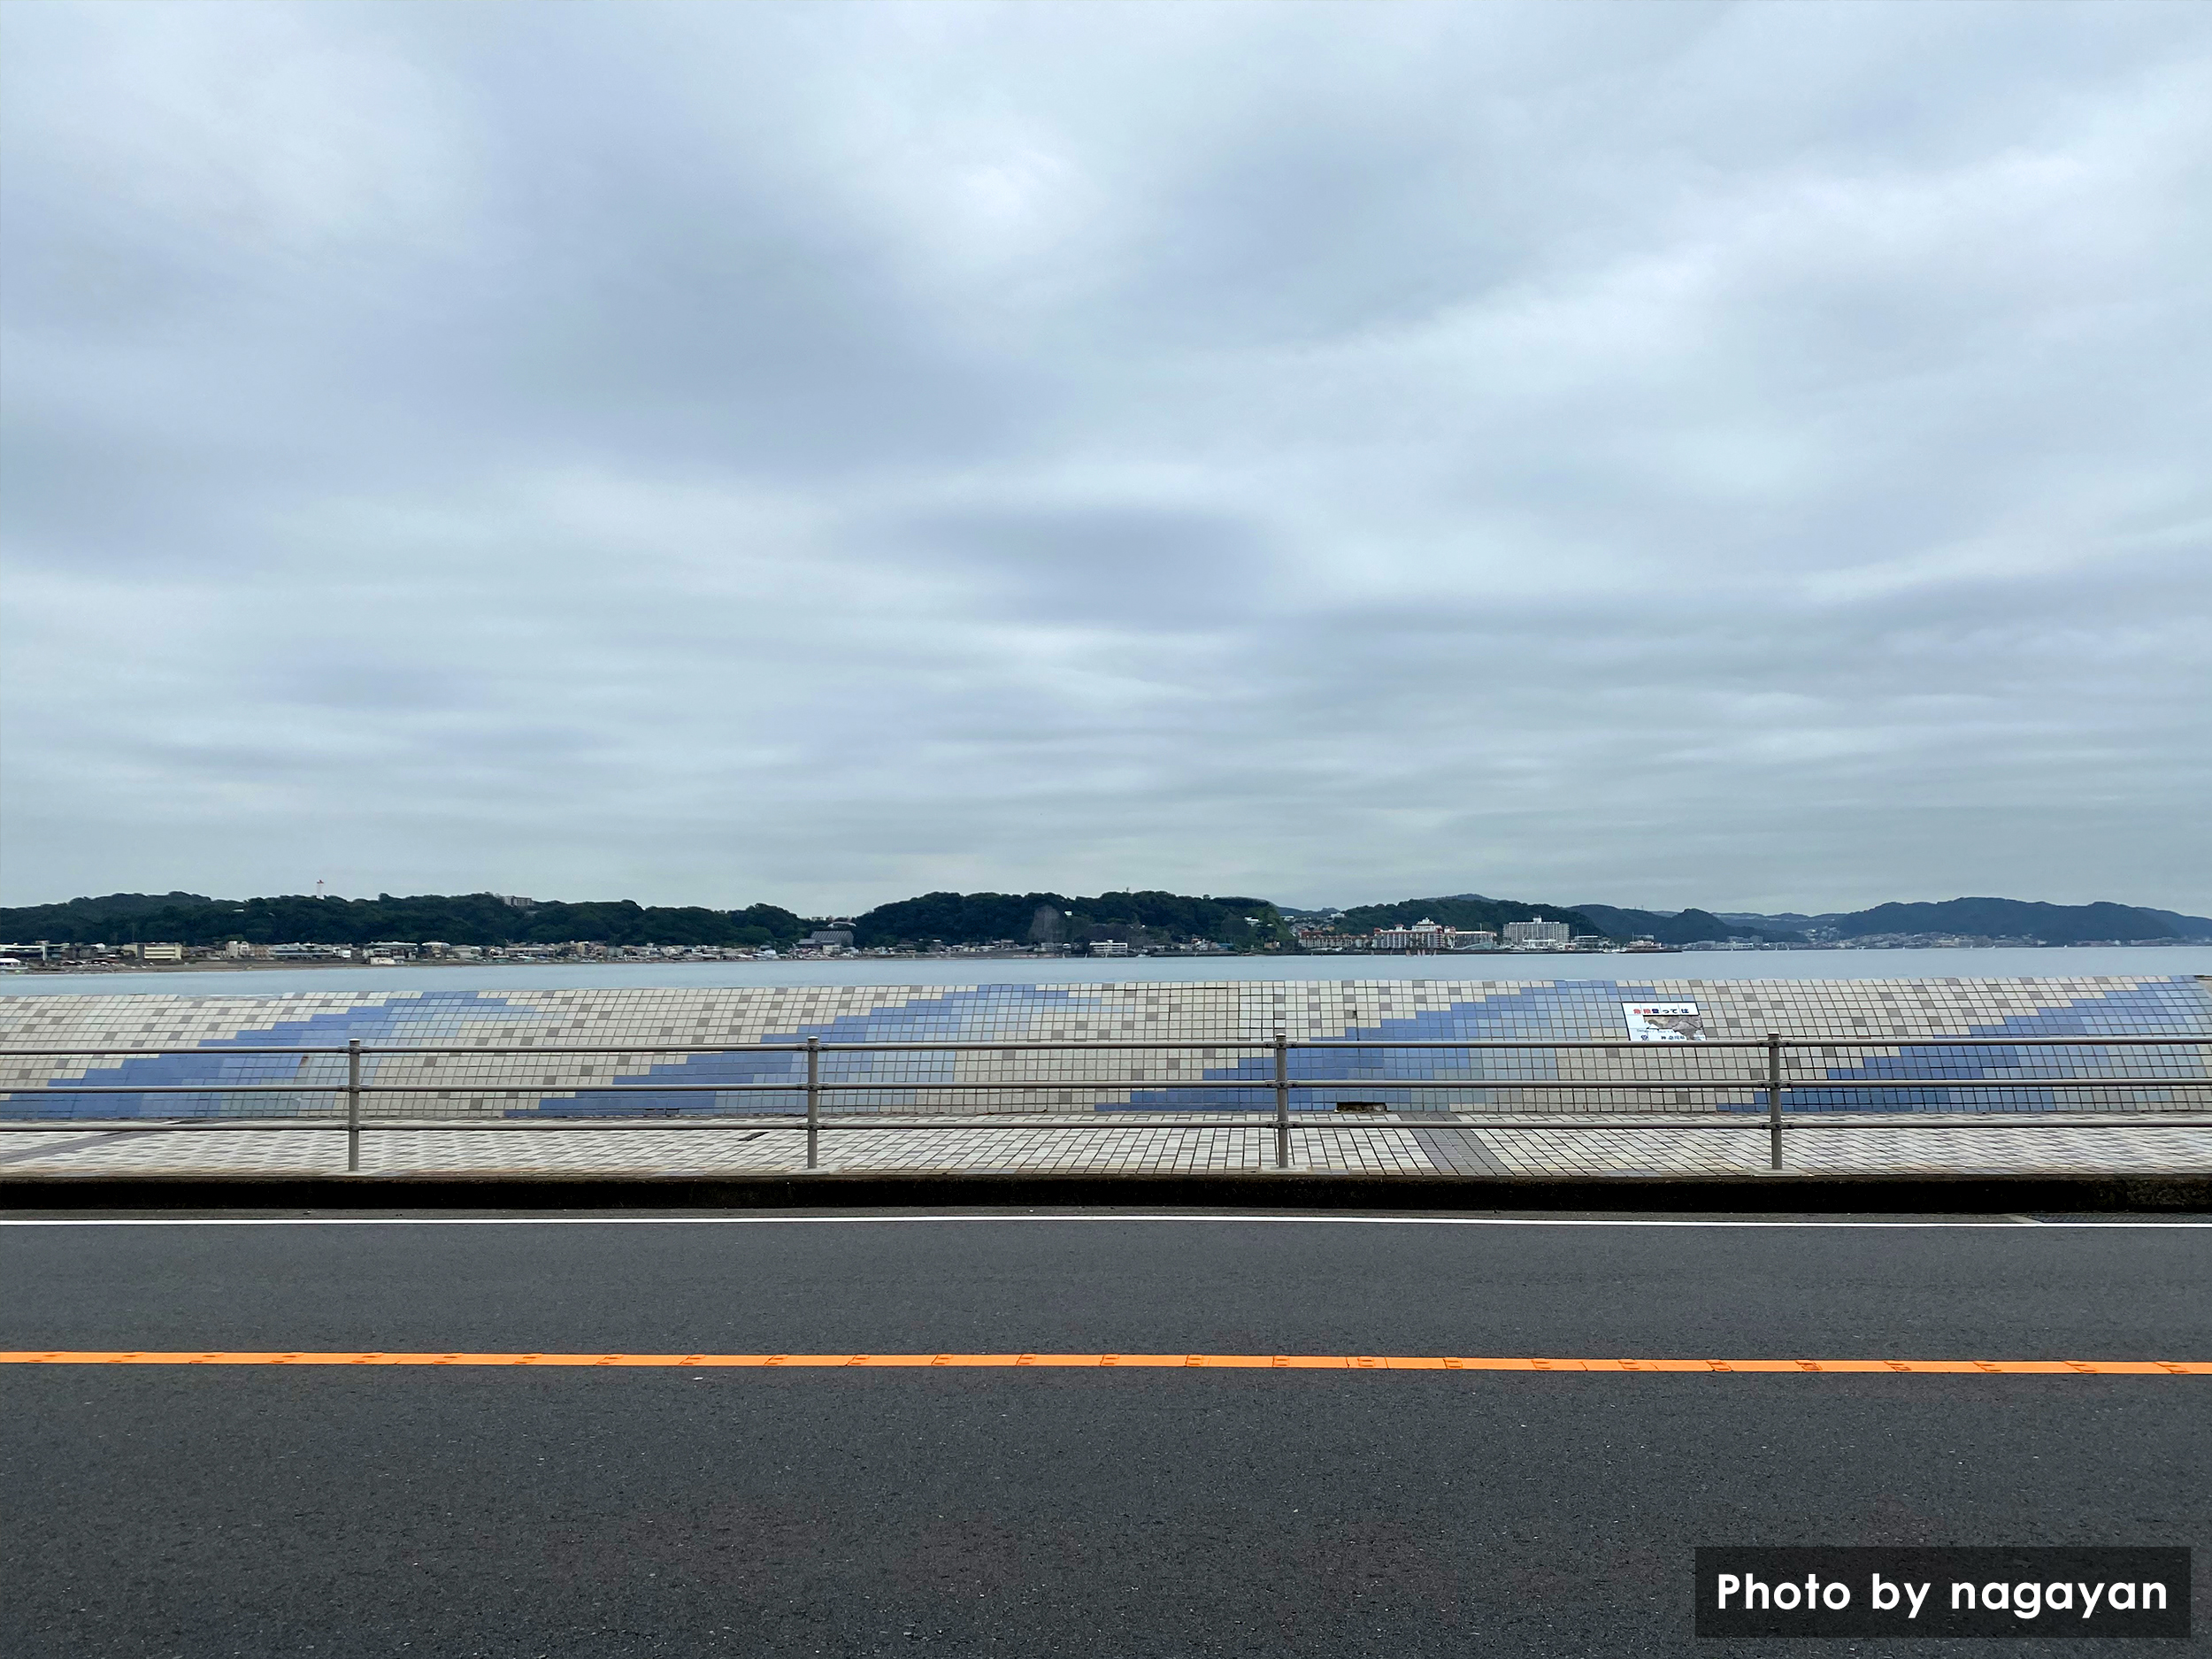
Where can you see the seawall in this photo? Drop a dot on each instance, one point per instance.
(466, 1085)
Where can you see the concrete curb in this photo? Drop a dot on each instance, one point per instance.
(1967, 1193)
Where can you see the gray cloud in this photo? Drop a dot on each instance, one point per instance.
(1726, 455)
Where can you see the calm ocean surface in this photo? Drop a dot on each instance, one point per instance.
(1689, 964)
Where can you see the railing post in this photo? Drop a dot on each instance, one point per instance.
(1774, 1100)
(813, 1099)
(1282, 1101)
(353, 1106)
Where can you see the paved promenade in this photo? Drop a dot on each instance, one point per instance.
(1489, 1145)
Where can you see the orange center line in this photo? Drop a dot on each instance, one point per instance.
(1122, 1361)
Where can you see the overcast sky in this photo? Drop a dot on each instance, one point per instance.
(1747, 456)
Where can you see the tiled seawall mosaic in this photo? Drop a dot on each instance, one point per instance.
(631, 1022)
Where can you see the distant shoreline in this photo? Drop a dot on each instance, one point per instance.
(248, 965)
(251, 965)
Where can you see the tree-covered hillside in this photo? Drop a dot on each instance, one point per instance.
(476, 918)
(113, 910)
(485, 919)
(978, 918)
(1999, 919)
(1684, 927)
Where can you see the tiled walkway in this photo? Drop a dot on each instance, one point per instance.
(1492, 1144)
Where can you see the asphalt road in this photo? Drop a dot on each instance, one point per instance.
(153, 1511)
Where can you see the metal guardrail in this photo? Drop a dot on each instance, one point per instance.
(1770, 1082)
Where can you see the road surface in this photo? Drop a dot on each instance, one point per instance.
(334, 1510)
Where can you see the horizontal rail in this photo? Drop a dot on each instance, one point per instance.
(1744, 1042)
(1129, 1123)
(1158, 1044)
(1294, 1101)
(830, 1085)
(1979, 1082)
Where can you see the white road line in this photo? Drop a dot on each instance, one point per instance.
(2009, 1224)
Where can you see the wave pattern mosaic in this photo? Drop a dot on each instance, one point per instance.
(1685, 1016)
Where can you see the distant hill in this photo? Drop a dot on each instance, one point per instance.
(970, 919)
(1791, 920)
(485, 918)
(1151, 917)
(1684, 927)
(476, 918)
(1985, 918)
(2197, 927)
(1992, 918)
(116, 907)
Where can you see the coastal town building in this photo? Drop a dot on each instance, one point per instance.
(1423, 937)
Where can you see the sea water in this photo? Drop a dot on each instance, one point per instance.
(2060, 963)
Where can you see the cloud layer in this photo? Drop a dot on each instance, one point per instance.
(1743, 456)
